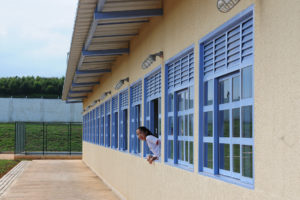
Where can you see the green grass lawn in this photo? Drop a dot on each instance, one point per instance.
(6, 165)
(7, 137)
(50, 137)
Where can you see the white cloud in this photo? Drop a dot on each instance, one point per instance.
(38, 29)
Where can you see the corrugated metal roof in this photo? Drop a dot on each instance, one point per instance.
(102, 32)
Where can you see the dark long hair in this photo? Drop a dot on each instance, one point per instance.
(146, 131)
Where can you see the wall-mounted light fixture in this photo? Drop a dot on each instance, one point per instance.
(225, 6)
(96, 101)
(150, 59)
(104, 95)
(120, 83)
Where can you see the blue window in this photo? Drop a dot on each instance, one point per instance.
(86, 127)
(115, 122)
(180, 109)
(98, 125)
(226, 106)
(123, 122)
(135, 116)
(153, 105)
(102, 125)
(83, 127)
(94, 126)
(107, 122)
(90, 126)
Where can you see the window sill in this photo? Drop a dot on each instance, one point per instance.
(190, 169)
(228, 180)
(139, 155)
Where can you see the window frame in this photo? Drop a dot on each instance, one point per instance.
(97, 125)
(102, 124)
(108, 123)
(114, 123)
(94, 127)
(147, 106)
(244, 16)
(136, 119)
(188, 85)
(90, 127)
(123, 130)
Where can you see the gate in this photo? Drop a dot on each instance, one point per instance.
(48, 138)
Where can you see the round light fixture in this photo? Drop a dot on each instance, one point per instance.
(225, 6)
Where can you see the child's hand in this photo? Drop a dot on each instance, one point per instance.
(150, 159)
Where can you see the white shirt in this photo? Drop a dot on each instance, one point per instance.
(154, 145)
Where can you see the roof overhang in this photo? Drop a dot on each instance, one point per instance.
(102, 32)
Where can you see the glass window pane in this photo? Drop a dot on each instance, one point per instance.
(191, 125)
(191, 146)
(147, 108)
(159, 105)
(225, 156)
(171, 126)
(247, 82)
(208, 155)
(181, 101)
(236, 158)
(138, 115)
(208, 92)
(224, 91)
(186, 151)
(180, 126)
(186, 123)
(171, 103)
(224, 123)
(236, 88)
(208, 124)
(159, 126)
(247, 121)
(181, 150)
(236, 122)
(186, 101)
(170, 149)
(247, 161)
(191, 98)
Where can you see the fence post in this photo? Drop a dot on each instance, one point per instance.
(46, 145)
(43, 138)
(15, 137)
(70, 139)
(25, 141)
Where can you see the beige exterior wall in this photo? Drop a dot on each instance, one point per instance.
(276, 104)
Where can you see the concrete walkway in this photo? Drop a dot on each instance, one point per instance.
(58, 180)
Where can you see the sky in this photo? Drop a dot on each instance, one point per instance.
(35, 37)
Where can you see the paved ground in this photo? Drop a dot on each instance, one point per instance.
(58, 180)
(7, 156)
(9, 178)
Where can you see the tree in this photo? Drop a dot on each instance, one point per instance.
(32, 87)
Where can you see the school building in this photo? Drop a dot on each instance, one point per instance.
(217, 80)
